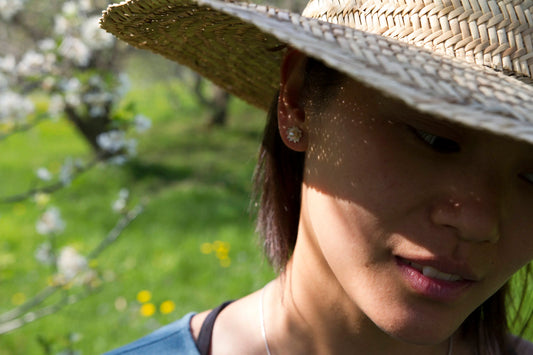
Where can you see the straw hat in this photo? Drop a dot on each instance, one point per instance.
(468, 61)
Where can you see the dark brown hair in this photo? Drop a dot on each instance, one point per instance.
(279, 172)
(277, 192)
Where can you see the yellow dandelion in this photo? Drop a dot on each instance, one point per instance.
(18, 298)
(147, 310)
(222, 255)
(225, 262)
(167, 307)
(206, 248)
(144, 296)
(220, 245)
(222, 249)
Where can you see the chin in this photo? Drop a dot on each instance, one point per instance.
(418, 328)
(417, 338)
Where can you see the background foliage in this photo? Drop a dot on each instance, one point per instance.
(194, 244)
(79, 158)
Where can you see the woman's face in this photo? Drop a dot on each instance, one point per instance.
(416, 220)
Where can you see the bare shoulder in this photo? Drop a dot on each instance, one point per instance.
(521, 346)
(230, 320)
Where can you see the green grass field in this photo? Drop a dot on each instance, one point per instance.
(196, 184)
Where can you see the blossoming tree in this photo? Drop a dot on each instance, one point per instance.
(57, 67)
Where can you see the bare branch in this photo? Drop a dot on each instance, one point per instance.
(34, 302)
(23, 127)
(48, 188)
(113, 235)
(21, 316)
(40, 313)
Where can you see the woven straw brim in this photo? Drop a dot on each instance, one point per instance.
(239, 47)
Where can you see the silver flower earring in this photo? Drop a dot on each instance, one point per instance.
(294, 134)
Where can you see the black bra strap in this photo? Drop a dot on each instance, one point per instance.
(204, 338)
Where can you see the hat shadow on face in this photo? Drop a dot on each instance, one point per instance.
(363, 150)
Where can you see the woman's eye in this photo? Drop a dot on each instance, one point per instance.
(437, 143)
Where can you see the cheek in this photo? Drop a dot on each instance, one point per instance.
(347, 234)
(364, 162)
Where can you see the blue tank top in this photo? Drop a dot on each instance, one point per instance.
(174, 338)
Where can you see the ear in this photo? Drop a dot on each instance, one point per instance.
(291, 116)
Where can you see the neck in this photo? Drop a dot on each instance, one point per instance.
(313, 315)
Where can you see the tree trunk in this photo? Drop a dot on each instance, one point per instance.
(218, 104)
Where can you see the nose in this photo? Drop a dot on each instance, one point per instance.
(471, 208)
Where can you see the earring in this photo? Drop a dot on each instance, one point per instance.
(294, 134)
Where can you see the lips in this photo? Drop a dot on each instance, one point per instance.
(434, 273)
(441, 268)
(440, 279)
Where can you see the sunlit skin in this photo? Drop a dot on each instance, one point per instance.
(385, 185)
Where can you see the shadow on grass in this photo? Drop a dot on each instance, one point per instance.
(141, 170)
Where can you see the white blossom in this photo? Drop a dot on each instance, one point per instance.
(131, 147)
(95, 37)
(44, 254)
(72, 84)
(70, 263)
(73, 99)
(124, 85)
(70, 9)
(120, 204)
(86, 5)
(44, 174)
(47, 45)
(50, 222)
(41, 198)
(97, 98)
(117, 159)
(50, 60)
(61, 25)
(8, 63)
(113, 141)
(9, 8)
(96, 81)
(31, 64)
(97, 102)
(141, 123)
(72, 89)
(74, 49)
(68, 169)
(14, 107)
(97, 111)
(48, 83)
(4, 82)
(56, 105)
